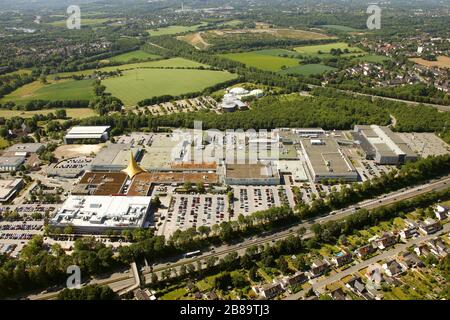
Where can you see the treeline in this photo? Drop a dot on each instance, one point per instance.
(418, 92)
(91, 292)
(46, 104)
(39, 267)
(9, 83)
(409, 118)
(267, 113)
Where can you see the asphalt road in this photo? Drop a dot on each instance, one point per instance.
(119, 279)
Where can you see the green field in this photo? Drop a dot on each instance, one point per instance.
(141, 84)
(340, 28)
(171, 30)
(3, 142)
(77, 113)
(326, 48)
(60, 90)
(277, 52)
(308, 69)
(372, 58)
(262, 61)
(167, 63)
(136, 55)
(84, 22)
(20, 71)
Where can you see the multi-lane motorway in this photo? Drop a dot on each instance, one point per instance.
(120, 281)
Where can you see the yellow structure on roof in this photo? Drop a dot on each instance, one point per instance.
(133, 168)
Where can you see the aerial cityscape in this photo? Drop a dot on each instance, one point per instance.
(229, 150)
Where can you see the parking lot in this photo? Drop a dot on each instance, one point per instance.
(254, 198)
(425, 143)
(15, 234)
(368, 169)
(186, 211)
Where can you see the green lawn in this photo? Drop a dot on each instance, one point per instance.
(20, 71)
(78, 113)
(3, 142)
(174, 30)
(138, 54)
(60, 90)
(167, 63)
(308, 69)
(261, 61)
(139, 84)
(84, 22)
(326, 48)
(372, 58)
(174, 295)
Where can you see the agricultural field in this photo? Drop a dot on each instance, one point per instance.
(340, 28)
(167, 63)
(442, 62)
(54, 90)
(262, 61)
(74, 113)
(133, 55)
(171, 30)
(84, 22)
(308, 69)
(139, 84)
(325, 49)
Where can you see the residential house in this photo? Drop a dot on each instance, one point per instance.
(407, 233)
(422, 250)
(392, 268)
(297, 278)
(318, 267)
(357, 286)
(374, 275)
(441, 212)
(342, 258)
(338, 294)
(437, 247)
(269, 290)
(211, 296)
(409, 260)
(385, 241)
(364, 251)
(429, 226)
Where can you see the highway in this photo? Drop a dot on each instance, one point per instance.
(119, 281)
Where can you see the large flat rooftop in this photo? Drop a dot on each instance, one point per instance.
(100, 183)
(102, 212)
(326, 158)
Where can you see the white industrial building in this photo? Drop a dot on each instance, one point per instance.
(232, 100)
(90, 133)
(383, 145)
(97, 214)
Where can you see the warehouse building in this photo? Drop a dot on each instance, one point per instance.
(326, 160)
(251, 174)
(383, 145)
(8, 164)
(9, 188)
(25, 148)
(84, 134)
(98, 214)
(114, 157)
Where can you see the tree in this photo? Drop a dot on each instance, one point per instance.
(154, 278)
(282, 265)
(68, 230)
